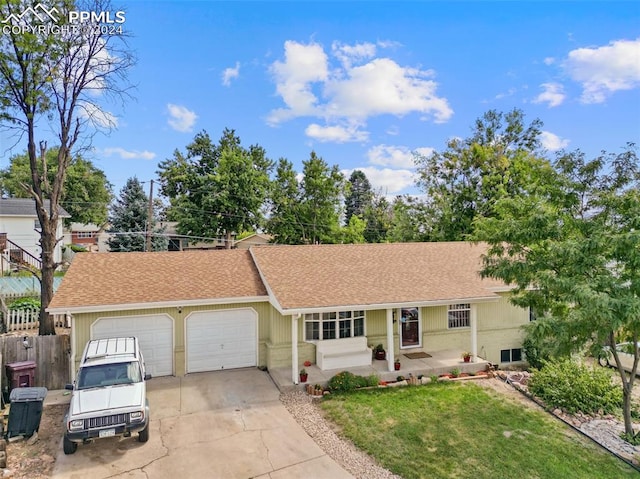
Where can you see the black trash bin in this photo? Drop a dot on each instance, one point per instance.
(25, 411)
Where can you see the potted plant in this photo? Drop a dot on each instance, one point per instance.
(303, 375)
(466, 357)
(379, 352)
(396, 364)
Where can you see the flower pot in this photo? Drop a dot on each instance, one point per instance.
(381, 355)
(467, 359)
(303, 378)
(396, 366)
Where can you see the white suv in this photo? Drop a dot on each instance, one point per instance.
(109, 395)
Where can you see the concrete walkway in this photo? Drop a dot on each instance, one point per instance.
(225, 424)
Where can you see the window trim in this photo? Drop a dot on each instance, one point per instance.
(335, 317)
(459, 308)
(511, 351)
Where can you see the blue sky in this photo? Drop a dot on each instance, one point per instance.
(364, 84)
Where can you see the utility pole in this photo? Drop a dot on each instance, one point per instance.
(149, 218)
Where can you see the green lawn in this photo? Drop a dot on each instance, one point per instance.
(461, 430)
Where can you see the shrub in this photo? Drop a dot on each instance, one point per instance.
(25, 303)
(373, 380)
(77, 248)
(575, 387)
(343, 381)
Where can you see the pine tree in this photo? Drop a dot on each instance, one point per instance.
(129, 220)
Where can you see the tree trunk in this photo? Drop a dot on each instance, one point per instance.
(626, 411)
(48, 242)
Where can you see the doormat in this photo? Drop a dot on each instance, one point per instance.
(418, 355)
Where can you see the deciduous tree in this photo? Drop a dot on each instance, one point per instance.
(86, 194)
(216, 190)
(60, 75)
(571, 250)
(466, 179)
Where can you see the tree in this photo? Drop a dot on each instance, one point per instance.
(284, 222)
(59, 74)
(359, 196)
(321, 192)
(129, 221)
(378, 220)
(571, 250)
(216, 189)
(406, 218)
(466, 179)
(86, 194)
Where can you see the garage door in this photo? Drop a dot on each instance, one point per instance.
(221, 340)
(154, 332)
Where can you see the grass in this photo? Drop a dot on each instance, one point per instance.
(454, 430)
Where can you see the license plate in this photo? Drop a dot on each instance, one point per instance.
(107, 433)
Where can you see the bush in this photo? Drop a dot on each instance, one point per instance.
(25, 303)
(343, 381)
(575, 387)
(77, 248)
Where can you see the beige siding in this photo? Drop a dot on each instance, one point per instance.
(499, 327)
(82, 328)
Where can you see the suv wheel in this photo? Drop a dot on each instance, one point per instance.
(68, 446)
(143, 436)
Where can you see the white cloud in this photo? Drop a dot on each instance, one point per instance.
(606, 69)
(387, 180)
(97, 116)
(129, 154)
(553, 94)
(303, 65)
(349, 54)
(230, 74)
(181, 119)
(395, 156)
(336, 133)
(549, 61)
(384, 87)
(353, 88)
(552, 142)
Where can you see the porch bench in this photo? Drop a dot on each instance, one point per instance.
(343, 353)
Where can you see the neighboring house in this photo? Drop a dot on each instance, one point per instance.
(88, 236)
(20, 231)
(254, 239)
(178, 242)
(271, 305)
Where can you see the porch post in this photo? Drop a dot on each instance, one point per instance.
(474, 332)
(390, 351)
(294, 348)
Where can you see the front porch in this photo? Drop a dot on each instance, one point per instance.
(438, 362)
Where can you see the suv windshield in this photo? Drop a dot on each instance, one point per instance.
(109, 375)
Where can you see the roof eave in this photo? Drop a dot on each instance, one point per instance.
(154, 305)
(369, 307)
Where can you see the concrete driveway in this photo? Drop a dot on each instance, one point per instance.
(225, 424)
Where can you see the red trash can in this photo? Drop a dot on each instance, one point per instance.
(21, 374)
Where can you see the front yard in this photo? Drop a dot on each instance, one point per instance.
(460, 430)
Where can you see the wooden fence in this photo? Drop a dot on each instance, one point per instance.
(50, 353)
(27, 319)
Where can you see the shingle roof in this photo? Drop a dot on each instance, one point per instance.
(301, 277)
(25, 207)
(102, 279)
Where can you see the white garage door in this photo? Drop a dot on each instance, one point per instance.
(154, 332)
(221, 340)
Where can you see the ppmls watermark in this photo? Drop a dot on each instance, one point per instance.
(44, 21)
